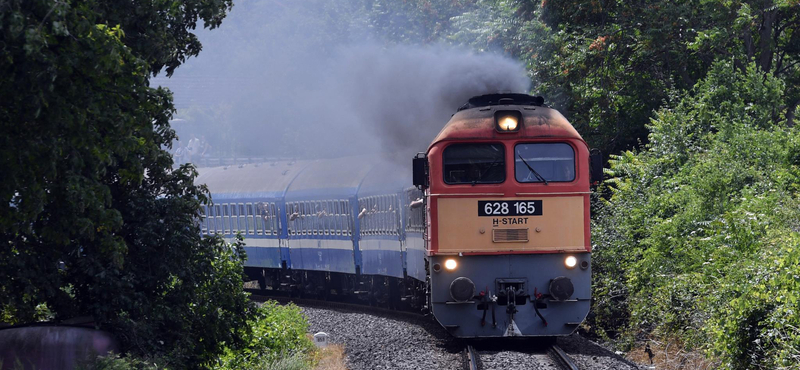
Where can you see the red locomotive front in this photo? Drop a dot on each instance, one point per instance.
(508, 242)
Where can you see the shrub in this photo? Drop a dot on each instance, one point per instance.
(699, 238)
(278, 337)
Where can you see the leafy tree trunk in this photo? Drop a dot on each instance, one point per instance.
(765, 42)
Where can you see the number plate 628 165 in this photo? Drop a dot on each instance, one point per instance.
(509, 208)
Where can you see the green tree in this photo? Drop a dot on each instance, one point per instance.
(93, 219)
(610, 64)
(415, 21)
(698, 238)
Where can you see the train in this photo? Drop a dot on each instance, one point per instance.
(487, 230)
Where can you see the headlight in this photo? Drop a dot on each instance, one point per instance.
(450, 264)
(570, 262)
(508, 123)
(507, 120)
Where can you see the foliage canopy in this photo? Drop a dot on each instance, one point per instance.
(610, 64)
(93, 218)
(697, 238)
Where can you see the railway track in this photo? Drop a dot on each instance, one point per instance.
(556, 355)
(554, 352)
(561, 358)
(263, 295)
(472, 358)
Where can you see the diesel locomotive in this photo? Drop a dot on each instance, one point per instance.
(492, 238)
(507, 193)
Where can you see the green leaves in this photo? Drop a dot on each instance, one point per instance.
(697, 219)
(94, 220)
(610, 66)
(277, 332)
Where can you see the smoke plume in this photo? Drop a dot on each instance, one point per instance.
(294, 81)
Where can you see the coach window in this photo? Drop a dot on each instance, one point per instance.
(261, 218)
(232, 218)
(474, 164)
(203, 220)
(387, 216)
(341, 224)
(395, 204)
(327, 217)
(212, 219)
(322, 223)
(311, 218)
(298, 223)
(346, 221)
(308, 224)
(332, 217)
(268, 216)
(226, 220)
(274, 221)
(251, 226)
(229, 219)
(306, 221)
(335, 226)
(222, 216)
(551, 162)
(242, 218)
(218, 218)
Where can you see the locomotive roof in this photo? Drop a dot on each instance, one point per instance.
(478, 124)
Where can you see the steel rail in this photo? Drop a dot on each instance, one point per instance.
(263, 296)
(472, 357)
(561, 358)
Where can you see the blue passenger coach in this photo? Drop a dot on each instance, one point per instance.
(250, 199)
(321, 203)
(336, 226)
(380, 218)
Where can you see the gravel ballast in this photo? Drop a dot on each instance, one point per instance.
(377, 341)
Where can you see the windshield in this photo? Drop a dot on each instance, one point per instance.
(553, 162)
(474, 164)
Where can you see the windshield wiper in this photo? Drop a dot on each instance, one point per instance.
(538, 176)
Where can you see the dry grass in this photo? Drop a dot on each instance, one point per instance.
(252, 284)
(670, 355)
(331, 357)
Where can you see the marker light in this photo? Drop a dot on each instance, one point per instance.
(450, 264)
(507, 121)
(570, 261)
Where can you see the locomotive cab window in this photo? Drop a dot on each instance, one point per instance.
(544, 162)
(474, 164)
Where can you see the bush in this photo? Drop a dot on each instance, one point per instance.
(699, 238)
(115, 362)
(278, 339)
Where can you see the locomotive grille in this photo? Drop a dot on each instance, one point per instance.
(509, 235)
